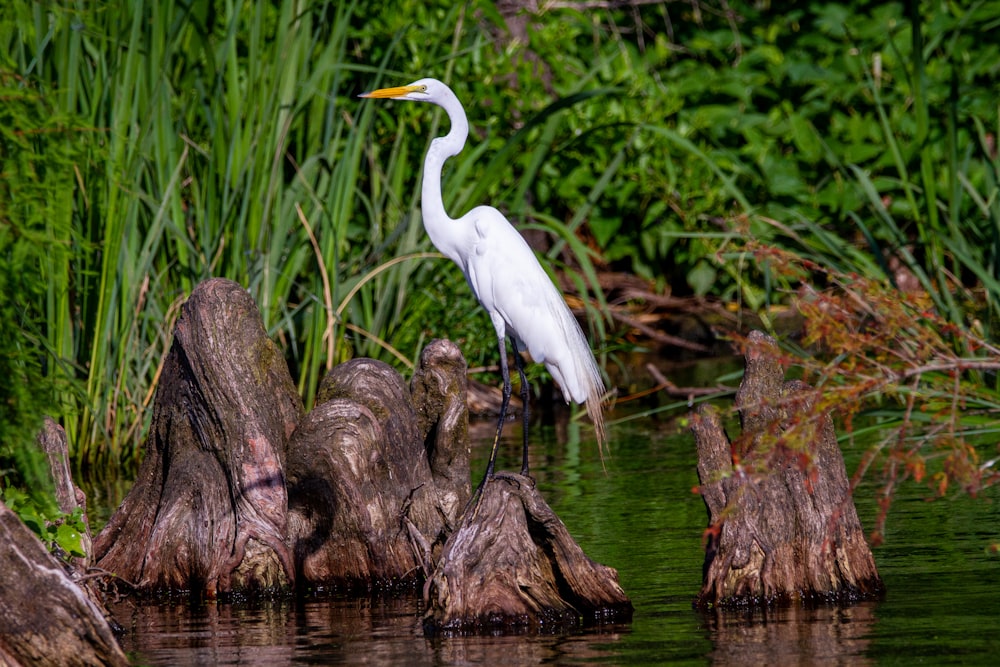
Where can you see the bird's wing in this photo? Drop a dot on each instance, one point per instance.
(508, 281)
(503, 270)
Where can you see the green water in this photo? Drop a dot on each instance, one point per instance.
(640, 517)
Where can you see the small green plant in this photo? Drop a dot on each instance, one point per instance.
(62, 533)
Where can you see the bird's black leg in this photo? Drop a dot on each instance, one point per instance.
(519, 362)
(503, 412)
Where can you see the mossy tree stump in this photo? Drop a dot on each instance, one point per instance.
(782, 522)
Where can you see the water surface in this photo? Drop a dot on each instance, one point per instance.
(636, 513)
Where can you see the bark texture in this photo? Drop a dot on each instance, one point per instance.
(374, 488)
(208, 510)
(782, 523)
(513, 565)
(47, 616)
(239, 491)
(439, 389)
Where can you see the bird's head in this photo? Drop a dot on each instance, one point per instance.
(424, 90)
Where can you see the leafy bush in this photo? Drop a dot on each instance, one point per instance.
(200, 139)
(61, 533)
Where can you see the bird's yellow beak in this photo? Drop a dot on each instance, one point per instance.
(391, 93)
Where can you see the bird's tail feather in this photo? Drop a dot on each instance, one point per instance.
(595, 409)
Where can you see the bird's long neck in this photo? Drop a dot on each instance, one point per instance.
(436, 219)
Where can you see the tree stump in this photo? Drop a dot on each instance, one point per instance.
(208, 510)
(239, 491)
(439, 389)
(375, 490)
(782, 523)
(512, 565)
(47, 617)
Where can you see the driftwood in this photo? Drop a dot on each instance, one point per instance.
(512, 565)
(782, 523)
(47, 617)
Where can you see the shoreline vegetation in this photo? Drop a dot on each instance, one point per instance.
(837, 161)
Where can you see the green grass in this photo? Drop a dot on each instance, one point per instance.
(226, 139)
(150, 145)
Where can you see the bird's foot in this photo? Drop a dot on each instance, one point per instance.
(516, 478)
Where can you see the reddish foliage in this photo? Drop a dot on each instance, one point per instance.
(869, 347)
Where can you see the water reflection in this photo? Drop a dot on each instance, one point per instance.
(209, 634)
(331, 630)
(791, 636)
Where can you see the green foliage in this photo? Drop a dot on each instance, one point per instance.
(61, 533)
(225, 139)
(866, 130)
(38, 147)
(871, 146)
(149, 145)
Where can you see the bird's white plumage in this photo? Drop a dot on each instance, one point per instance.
(513, 287)
(501, 268)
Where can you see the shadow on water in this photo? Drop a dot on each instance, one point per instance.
(641, 517)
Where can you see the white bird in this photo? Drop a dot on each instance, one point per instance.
(505, 276)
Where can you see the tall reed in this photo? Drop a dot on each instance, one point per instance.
(226, 139)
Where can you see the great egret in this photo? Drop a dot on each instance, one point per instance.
(505, 276)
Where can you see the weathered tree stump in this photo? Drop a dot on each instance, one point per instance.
(512, 565)
(438, 389)
(374, 490)
(782, 523)
(47, 617)
(208, 510)
(238, 491)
